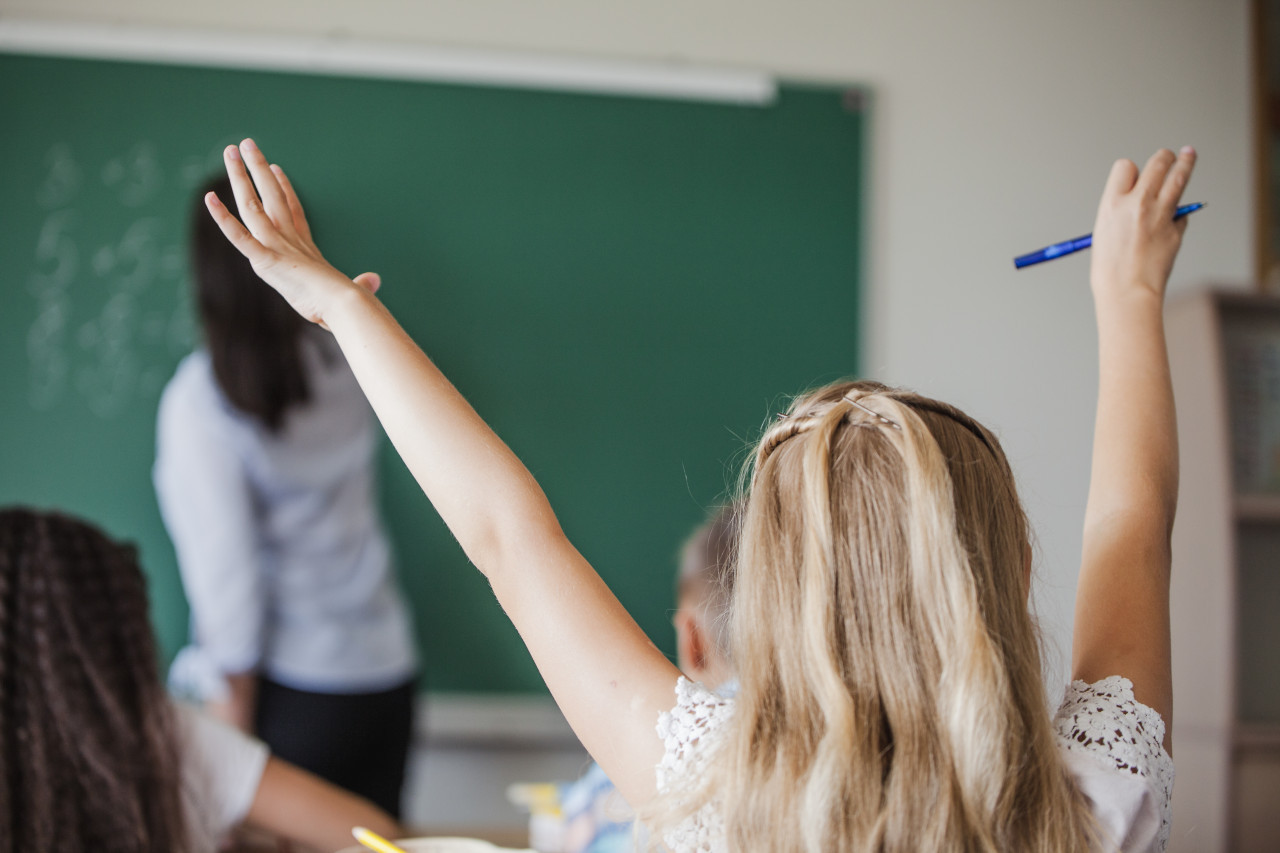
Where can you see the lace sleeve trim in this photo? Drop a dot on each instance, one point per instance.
(689, 732)
(1104, 720)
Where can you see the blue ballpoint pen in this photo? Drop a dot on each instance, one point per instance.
(1066, 247)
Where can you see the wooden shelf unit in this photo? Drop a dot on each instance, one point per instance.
(1225, 595)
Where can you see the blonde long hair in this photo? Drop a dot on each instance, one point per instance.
(891, 695)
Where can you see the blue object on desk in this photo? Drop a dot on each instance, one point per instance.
(1066, 247)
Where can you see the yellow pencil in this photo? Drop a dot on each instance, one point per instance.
(374, 841)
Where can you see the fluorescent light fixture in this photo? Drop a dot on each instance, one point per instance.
(390, 60)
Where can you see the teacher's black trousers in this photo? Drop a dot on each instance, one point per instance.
(357, 741)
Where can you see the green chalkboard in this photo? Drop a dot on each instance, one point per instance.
(624, 287)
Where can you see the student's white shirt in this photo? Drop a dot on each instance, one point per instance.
(279, 541)
(1111, 743)
(221, 770)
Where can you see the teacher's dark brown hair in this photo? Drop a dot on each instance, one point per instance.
(251, 333)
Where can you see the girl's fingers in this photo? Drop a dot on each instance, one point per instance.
(1124, 174)
(1153, 174)
(251, 210)
(273, 198)
(1176, 181)
(295, 207)
(231, 228)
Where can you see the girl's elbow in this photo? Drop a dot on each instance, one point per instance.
(1148, 523)
(500, 545)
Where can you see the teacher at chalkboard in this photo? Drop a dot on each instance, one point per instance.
(265, 477)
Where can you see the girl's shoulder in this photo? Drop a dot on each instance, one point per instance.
(1103, 720)
(690, 732)
(1114, 748)
(688, 728)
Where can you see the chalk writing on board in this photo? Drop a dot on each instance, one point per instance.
(195, 170)
(56, 254)
(62, 180)
(113, 310)
(57, 260)
(47, 353)
(135, 175)
(107, 378)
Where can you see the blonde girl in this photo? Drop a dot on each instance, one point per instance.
(890, 683)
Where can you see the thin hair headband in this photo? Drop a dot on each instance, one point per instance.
(782, 416)
(802, 424)
(876, 415)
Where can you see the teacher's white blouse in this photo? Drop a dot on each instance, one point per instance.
(279, 541)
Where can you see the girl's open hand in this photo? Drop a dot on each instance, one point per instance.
(1135, 238)
(275, 236)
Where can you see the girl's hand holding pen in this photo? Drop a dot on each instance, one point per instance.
(1136, 237)
(276, 238)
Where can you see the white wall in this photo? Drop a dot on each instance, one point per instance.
(994, 123)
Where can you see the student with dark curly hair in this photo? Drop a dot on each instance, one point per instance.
(94, 755)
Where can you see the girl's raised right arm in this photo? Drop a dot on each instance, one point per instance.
(608, 678)
(1122, 602)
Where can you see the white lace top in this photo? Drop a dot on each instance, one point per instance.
(1110, 741)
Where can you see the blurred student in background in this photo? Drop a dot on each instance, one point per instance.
(94, 755)
(597, 819)
(265, 477)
